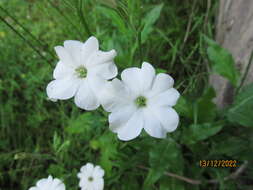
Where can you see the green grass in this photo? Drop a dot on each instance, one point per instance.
(39, 137)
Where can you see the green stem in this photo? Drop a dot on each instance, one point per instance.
(139, 47)
(195, 114)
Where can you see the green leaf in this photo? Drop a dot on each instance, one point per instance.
(184, 107)
(60, 145)
(56, 141)
(80, 124)
(171, 183)
(107, 144)
(115, 18)
(65, 145)
(164, 155)
(152, 177)
(222, 61)
(203, 108)
(206, 109)
(199, 132)
(56, 170)
(149, 20)
(232, 146)
(241, 110)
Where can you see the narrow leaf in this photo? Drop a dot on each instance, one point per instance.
(149, 20)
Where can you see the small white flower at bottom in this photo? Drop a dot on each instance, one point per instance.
(91, 178)
(49, 184)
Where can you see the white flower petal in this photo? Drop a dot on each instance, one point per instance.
(96, 84)
(107, 70)
(167, 116)
(62, 89)
(60, 187)
(152, 125)
(114, 95)
(162, 83)
(58, 184)
(132, 128)
(74, 48)
(85, 184)
(86, 171)
(166, 98)
(85, 98)
(108, 102)
(147, 76)
(100, 57)
(98, 184)
(65, 56)
(131, 78)
(121, 117)
(89, 167)
(43, 182)
(98, 172)
(49, 184)
(90, 46)
(62, 70)
(33, 188)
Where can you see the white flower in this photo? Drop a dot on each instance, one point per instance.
(141, 100)
(91, 178)
(81, 72)
(49, 184)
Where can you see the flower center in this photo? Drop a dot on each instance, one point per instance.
(90, 178)
(81, 71)
(141, 101)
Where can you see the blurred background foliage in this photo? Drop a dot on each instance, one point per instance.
(39, 137)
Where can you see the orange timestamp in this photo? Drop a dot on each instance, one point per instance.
(218, 163)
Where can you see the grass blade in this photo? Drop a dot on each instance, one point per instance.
(22, 37)
(26, 30)
(65, 17)
(83, 20)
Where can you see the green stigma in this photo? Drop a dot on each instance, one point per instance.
(81, 72)
(141, 101)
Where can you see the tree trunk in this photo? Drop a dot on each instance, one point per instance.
(234, 31)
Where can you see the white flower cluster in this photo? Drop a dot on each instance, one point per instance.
(91, 178)
(140, 100)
